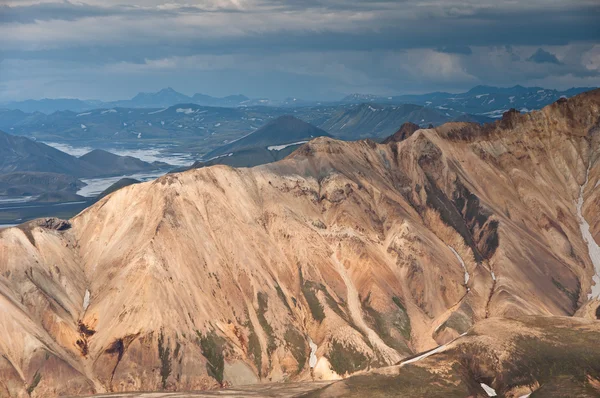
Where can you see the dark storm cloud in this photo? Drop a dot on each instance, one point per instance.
(468, 41)
(542, 56)
(456, 49)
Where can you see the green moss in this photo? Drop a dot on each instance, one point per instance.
(212, 347)
(37, 377)
(345, 359)
(561, 353)
(282, 297)
(296, 343)
(573, 296)
(411, 381)
(385, 324)
(254, 349)
(263, 305)
(164, 354)
(315, 306)
(456, 321)
(403, 320)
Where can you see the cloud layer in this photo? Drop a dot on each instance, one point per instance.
(277, 48)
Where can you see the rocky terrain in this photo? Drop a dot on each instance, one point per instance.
(342, 258)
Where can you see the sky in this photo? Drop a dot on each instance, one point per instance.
(310, 49)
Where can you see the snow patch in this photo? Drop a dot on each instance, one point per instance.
(461, 263)
(108, 111)
(86, 300)
(312, 362)
(187, 111)
(280, 147)
(593, 248)
(488, 390)
(481, 95)
(429, 353)
(83, 126)
(159, 111)
(221, 156)
(84, 114)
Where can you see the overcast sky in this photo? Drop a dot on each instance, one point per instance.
(313, 49)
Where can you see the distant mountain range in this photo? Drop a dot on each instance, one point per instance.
(478, 100)
(163, 98)
(201, 129)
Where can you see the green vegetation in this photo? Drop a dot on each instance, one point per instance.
(562, 356)
(573, 296)
(403, 320)
(456, 321)
(37, 377)
(263, 304)
(319, 224)
(346, 359)
(164, 354)
(315, 306)
(384, 325)
(310, 290)
(296, 343)
(281, 295)
(254, 349)
(212, 349)
(411, 381)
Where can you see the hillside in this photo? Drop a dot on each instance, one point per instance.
(34, 183)
(110, 163)
(281, 132)
(341, 258)
(20, 154)
(372, 120)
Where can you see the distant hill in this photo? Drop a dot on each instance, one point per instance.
(35, 183)
(48, 105)
(23, 154)
(115, 164)
(274, 136)
(165, 97)
(374, 120)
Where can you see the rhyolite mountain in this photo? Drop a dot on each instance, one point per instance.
(345, 256)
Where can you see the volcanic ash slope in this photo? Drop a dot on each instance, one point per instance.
(221, 276)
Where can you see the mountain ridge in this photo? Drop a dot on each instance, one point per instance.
(372, 252)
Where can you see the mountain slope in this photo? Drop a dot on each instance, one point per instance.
(23, 154)
(110, 163)
(372, 120)
(478, 102)
(371, 252)
(282, 131)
